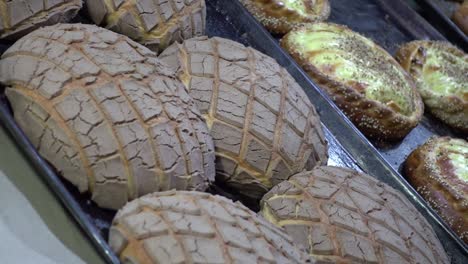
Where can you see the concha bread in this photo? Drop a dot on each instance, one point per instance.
(156, 24)
(438, 170)
(441, 74)
(19, 17)
(369, 86)
(106, 113)
(342, 216)
(263, 125)
(281, 16)
(193, 227)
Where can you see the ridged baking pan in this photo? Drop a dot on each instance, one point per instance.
(348, 147)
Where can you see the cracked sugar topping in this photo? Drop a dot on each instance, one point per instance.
(341, 216)
(352, 59)
(264, 126)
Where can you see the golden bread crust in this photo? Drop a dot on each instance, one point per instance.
(431, 172)
(373, 118)
(155, 24)
(450, 106)
(278, 18)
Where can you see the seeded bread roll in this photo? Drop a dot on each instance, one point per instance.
(438, 170)
(155, 24)
(342, 216)
(460, 17)
(264, 126)
(281, 16)
(441, 74)
(368, 85)
(192, 227)
(106, 113)
(19, 17)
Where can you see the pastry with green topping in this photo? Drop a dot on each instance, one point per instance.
(366, 82)
(438, 170)
(440, 71)
(281, 16)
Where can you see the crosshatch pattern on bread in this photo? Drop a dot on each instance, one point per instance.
(106, 113)
(263, 124)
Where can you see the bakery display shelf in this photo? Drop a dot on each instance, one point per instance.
(439, 13)
(390, 24)
(347, 146)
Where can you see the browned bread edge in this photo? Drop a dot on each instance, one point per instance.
(424, 179)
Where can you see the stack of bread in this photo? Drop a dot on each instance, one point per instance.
(148, 135)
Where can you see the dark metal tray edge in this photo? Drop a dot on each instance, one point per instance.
(452, 31)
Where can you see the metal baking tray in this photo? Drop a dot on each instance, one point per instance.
(347, 146)
(390, 24)
(439, 12)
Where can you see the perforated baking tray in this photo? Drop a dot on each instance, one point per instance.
(347, 146)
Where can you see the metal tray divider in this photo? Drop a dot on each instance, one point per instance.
(453, 32)
(402, 13)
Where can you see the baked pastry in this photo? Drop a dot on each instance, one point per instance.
(460, 17)
(281, 16)
(441, 74)
(367, 84)
(263, 125)
(438, 170)
(17, 18)
(342, 216)
(192, 227)
(106, 113)
(155, 24)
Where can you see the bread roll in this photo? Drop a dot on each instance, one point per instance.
(155, 24)
(191, 227)
(263, 124)
(441, 74)
(438, 170)
(342, 216)
(367, 84)
(106, 113)
(281, 16)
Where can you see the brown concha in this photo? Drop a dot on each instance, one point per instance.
(106, 113)
(155, 24)
(438, 171)
(342, 216)
(264, 126)
(19, 17)
(193, 227)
